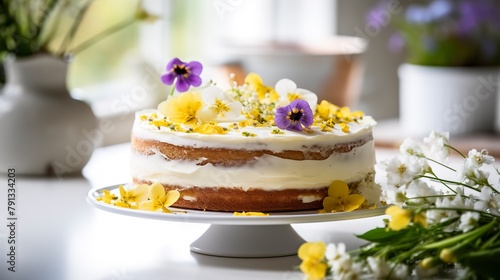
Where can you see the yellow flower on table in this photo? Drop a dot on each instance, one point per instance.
(159, 199)
(339, 199)
(401, 218)
(313, 263)
(420, 218)
(182, 108)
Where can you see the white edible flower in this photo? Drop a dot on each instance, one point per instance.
(341, 266)
(354, 273)
(468, 221)
(401, 170)
(334, 252)
(436, 148)
(288, 91)
(218, 106)
(419, 188)
(470, 172)
(379, 267)
(337, 258)
(393, 195)
(411, 147)
(439, 215)
(400, 271)
(487, 200)
(477, 159)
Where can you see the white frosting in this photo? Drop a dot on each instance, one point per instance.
(263, 139)
(266, 172)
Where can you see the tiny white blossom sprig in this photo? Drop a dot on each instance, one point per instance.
(441, 216)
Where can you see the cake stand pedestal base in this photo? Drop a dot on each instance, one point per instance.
(248, 241)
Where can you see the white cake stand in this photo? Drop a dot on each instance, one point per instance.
(237, 236)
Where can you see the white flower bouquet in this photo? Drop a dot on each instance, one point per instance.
(437, 223)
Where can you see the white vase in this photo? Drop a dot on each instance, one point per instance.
(459, 100)
(44, 131)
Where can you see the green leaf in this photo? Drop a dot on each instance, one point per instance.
(484, 263)
(382, 235)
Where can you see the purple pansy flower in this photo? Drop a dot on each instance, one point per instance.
(184, 74)
(295, 115)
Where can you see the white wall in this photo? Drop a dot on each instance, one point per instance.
(379, 92)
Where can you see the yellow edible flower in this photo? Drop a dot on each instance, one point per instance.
(357, 114)
(130, 198)
(401, 218)
(182, 108)
(124, 204)
(263, 91)
(160, 123)
(344, 113)
(209, 128)
(325, 109)
(250, 214)
(312, 255)
(344, 127)
(106, 197)
(159, 199)
(339, 199)
(420, 218)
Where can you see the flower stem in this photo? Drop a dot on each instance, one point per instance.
(455, 239)
(103, 34)
(74, 27)
(489, 242)
(448, 181)
(440, 180)
(172, 90)
(454, 149)
(465, 210)
(443, 165)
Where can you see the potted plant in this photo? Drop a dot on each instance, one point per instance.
(45, 131)
(450, 79)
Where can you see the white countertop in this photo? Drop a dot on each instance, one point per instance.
(59, 235)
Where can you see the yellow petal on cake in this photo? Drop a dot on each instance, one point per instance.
(156, 191)
(333, 204)
(338, 189)
(106, 197)
(339, 199)
(248, 214)
(345, 127)
(182, 108)
(172, 197)
(354, 201)
(209, 128)
(148, 205)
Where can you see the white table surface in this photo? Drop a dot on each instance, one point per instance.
(59, 235)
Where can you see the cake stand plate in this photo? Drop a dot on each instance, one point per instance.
(238, 236)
